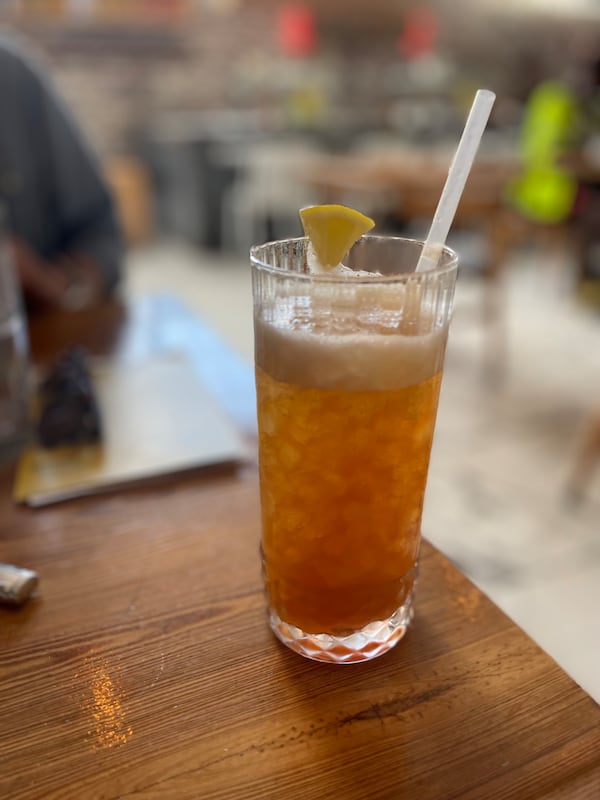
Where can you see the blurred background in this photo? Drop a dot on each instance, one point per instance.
(215, 120)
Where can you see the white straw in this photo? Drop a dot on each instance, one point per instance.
(457, 177)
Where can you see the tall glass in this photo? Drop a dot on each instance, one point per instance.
(348, 373)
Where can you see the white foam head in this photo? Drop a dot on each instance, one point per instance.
(359, 337)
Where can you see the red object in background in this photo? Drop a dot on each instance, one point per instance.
(419, 35)
(296, 30)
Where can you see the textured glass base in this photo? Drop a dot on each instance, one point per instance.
(373, 640)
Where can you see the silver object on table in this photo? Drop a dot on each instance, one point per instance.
(16, 584)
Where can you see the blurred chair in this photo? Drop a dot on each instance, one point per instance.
(587, 458)
(131, 187)
(536, 203)
(264, 199)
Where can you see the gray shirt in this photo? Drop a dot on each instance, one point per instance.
(50, 184)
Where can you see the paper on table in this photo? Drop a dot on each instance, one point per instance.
(157, 418)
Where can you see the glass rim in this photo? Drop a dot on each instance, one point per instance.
(396, 277)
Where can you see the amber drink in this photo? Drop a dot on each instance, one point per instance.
(348, 372)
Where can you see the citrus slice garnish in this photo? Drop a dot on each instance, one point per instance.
(332, 230)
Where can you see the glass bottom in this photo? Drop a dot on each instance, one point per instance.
(369, 642)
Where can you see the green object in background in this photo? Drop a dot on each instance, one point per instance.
(545, 192)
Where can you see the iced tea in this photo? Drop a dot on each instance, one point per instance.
(347, 381)
(343, 477)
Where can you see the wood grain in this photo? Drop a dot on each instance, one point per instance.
(145, 669)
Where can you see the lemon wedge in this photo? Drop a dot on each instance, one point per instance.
(332, 230)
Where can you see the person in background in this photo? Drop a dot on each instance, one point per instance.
(55, 206)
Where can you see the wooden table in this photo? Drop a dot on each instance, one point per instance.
(145, 668)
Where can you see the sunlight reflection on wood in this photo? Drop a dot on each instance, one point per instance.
(106, 705)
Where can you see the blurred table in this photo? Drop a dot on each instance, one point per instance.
(411, 181)
(145, 668)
